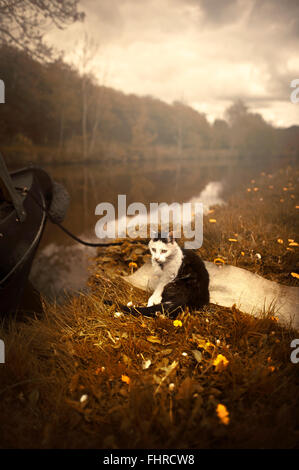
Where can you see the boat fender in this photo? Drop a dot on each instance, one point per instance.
(59, 204)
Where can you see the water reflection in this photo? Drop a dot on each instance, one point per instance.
(62, 265)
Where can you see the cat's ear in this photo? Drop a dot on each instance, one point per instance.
(170, 238)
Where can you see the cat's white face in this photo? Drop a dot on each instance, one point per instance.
(161, 251)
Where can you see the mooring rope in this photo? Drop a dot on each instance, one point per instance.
(68, 232)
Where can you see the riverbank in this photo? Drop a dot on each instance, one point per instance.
(24, 153)
(81, 376)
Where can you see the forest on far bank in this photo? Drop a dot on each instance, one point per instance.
(54, 114)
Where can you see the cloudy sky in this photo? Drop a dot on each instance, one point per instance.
(205, 52)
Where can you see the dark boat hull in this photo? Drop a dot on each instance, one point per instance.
(19, 240)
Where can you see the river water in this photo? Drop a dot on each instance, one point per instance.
(61, 265)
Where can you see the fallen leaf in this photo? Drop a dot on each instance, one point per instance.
(166, 352)
(125, 379)
(222, 413)
(127, 360)
(153, 339)
(197, 355)
(132, 265)
(296, 275)
(202, 342)
(220, 363)
(218, 261)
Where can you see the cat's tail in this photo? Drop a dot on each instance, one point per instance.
(170, 309)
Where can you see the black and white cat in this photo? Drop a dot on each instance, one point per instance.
(183, 279)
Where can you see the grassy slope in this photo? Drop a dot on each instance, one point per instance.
(82, 349)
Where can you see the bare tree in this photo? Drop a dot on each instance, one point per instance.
(85, 54)
(23, 22)
(99, 104)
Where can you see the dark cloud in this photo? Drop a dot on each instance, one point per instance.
(212, 51)
(282, 15)
(221, 12)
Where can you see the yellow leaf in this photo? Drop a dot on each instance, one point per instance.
(153, 339)
(177, 323)
(242, 253)
(132, 265)
(293, 244)
(201, 342)
(220, 362)
(279, 240)
(296, 275)
(125, 379)
(222, 413)
(218, 261)
(212, 221)
(232, 240)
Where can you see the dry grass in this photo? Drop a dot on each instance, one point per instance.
(147, 382)
(263, 212)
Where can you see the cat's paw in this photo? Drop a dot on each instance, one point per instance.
(154, 300)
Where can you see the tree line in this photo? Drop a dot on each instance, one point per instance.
(53, 113)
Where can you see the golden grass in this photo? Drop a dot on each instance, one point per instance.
(79, 377)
